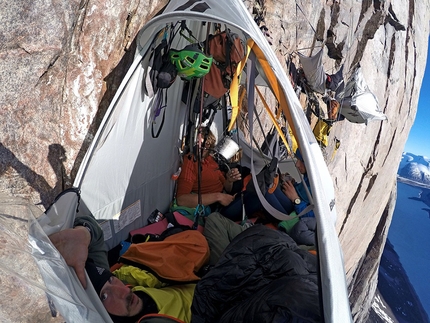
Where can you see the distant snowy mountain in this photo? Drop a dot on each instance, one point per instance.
(415, 168)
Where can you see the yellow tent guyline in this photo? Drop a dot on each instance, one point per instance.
(273, 83)
(280, 96)
(274, 121)
(234, 86)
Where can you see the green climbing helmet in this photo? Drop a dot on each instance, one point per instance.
(190, 62)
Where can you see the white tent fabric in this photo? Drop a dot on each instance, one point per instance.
(314, 71)
(126, 173)
(285, 165)
(25, 245)
(358, 103)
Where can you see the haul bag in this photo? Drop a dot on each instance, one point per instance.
(321, 132)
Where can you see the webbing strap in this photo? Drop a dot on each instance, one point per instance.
(250, 90)
(198, 212)
(200, 208)
(159, 105)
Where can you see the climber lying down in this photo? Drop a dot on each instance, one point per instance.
(262, 276)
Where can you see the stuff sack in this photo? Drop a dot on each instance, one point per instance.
(163, 72)
(333, 109)
(321, 131)
(175, 259)
(227, 50)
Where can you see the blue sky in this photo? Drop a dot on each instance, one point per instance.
(418, 140)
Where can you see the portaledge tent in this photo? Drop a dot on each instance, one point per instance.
(314, 71)
(126, 173)
(358, 103)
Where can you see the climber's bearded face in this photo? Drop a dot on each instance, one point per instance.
(118, 299)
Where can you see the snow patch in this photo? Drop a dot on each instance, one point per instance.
(415, 168)
(379, 308)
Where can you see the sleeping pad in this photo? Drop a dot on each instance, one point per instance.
(262, 276)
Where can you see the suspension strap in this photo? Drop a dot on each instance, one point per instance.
(191, 39)
(199, 212)
(160, 105)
